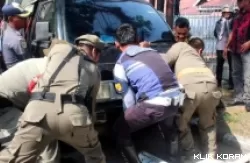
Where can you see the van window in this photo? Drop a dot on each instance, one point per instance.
(22, 2)
(47, 12)
(104, 17)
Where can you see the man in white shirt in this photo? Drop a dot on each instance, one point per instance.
(14, 86)
(221, 32)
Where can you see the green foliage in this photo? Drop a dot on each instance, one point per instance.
(230, 118)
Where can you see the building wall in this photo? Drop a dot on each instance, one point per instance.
(169, 7)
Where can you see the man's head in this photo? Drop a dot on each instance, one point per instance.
(236, 10)
(198, 44)
(125, 35)
(227, 12)
(91, 45)
(17, 16)
(181, 29)
(243, 5)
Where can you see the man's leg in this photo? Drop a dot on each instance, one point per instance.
(77, 130)
(51, 153)
(246, 76)
(123, 140)
(133, 117)
(138, 117)
(187, 148)
(170, 131)
(219, 67)
(230, 80)
(237, 75)
(207, 114)
(27, 144)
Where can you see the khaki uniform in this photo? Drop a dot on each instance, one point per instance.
(13, 85)
(45, 120)
(202, 96)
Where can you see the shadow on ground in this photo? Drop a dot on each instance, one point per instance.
(222, 129)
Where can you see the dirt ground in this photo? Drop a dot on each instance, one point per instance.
(236, 119)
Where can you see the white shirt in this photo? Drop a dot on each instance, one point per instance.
(223, 36)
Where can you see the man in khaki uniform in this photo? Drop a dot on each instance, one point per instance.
(61, 105)
(13, 86)
(202, 95)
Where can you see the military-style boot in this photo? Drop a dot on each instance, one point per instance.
(129, 154)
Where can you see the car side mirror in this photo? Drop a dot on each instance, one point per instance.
(42, 35)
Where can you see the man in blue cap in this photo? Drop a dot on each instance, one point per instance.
(14, 45)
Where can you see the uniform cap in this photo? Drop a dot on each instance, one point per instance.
(92, 40)
(15, 9)
(226, 8)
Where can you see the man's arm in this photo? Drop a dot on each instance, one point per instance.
(94, 94)
(245, 47)
(122, 87)
(215, 30)
(229, 40)
(21, 73)
(173, 53)
(19, 47)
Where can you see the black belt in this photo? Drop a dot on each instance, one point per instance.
(65, 98)
(75, 99)
(50, 97)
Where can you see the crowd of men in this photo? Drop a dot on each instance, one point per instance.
(59, 91)
(232, 33)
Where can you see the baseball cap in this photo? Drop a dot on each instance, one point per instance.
(227, 8)
(92, 40)
(15, 9)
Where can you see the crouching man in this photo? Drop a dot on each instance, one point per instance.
(202, 95)
(14, 86)
(151, 93)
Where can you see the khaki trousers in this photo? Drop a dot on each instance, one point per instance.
(41, 124)
(51, 153)
(202, 99)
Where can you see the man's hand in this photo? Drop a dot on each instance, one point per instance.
(225, 52)
(144, 44)
(245, 47)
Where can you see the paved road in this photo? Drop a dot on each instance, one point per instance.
(151, 141)
(157, 149)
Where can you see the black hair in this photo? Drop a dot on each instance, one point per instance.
(126, 34)
(197, 43)
(182, 22)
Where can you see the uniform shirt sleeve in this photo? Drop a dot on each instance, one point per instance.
(23, 72)
(173, 53)
(19, 46)
(122, 86)
(95, 93)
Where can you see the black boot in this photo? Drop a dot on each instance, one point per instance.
(129, 154)
(124, 142)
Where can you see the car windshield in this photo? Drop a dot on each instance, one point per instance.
(104, 17)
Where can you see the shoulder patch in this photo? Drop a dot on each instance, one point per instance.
(118, 87)
(23, 44)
